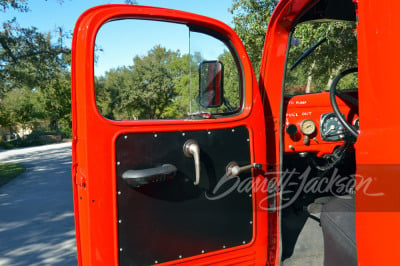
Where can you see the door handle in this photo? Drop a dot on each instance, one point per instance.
(233, 169)
(137, 178)
(191, 149)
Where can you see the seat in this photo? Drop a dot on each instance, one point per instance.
(338, 227)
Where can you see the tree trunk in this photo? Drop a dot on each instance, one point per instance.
(309, 78)
(54, 124)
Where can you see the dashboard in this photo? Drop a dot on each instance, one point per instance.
(312, 126)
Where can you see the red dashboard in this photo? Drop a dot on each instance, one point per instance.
(311, 125)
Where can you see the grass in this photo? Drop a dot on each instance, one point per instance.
(9, 171)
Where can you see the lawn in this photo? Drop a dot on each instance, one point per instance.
(8, 171)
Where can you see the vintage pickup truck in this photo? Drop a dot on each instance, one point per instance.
(203, 165)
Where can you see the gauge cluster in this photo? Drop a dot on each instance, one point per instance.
(312, 126)
(331, 128)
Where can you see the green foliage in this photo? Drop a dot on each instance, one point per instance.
(131, 2)
(56, 99)
(316, 72)
(9, 171)
(231, 81)
(5, 118)
(251, 18)
(20, 106)
(20, 5)
(154, 87)
(163, 84)
(34, 71)
(152, 79)
(36, 138)
(28, 58)
(107, 94)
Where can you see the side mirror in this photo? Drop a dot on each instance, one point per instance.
(211, 83)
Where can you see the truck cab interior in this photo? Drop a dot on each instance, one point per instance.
(321, 125)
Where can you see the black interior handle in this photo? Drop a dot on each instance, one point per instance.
(137, 178)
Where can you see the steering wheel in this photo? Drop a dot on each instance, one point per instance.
(333, 92)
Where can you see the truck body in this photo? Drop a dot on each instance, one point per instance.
(298, 167)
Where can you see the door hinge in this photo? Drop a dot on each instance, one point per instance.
(74, 171)
(74, 167)
(81, 181)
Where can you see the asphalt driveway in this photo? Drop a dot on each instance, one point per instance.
(36, 208)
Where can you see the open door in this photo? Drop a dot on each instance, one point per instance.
(168, 143)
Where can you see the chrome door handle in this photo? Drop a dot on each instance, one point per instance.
(233, 169)
(191, 149)
(137, 178)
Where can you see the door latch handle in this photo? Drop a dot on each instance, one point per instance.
(191, 149)
(233, 169)
(137, 178)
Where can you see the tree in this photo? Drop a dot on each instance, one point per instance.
(250, 19)
(151, 88)
(30, 61)
(108, 93)
(337, 52)
(146, 90)
(55, 99)
(20, 5)
(28, 58)
(131, 2)
(20, 107)
(163, 84)
(231, 81)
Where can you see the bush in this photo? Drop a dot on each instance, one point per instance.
(6, 145)
(36, 138)
(65, 128)
(66, 133)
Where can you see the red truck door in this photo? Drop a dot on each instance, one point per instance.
(173, 184)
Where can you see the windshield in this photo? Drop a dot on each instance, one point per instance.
(318, 52)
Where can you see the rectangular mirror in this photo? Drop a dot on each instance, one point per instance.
(211, 75)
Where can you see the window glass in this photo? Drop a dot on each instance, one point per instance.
(158, 70)
(318, 52)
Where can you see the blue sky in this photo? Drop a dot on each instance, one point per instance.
(47, 15)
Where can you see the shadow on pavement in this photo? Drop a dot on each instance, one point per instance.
(36, 211)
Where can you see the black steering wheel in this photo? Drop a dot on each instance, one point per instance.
(333, 92)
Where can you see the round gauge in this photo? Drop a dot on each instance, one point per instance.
(331, 128)
(307, 126)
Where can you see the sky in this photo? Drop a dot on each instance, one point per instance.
(46, 15)
(50, 14)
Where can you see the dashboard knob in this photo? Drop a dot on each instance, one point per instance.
(291, 129)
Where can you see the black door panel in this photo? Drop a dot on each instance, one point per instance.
(171, 217)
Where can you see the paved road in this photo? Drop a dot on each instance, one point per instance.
(36, 209)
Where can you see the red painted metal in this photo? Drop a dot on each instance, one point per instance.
(377, 218)
(377, 222)
(270, 84)
(93, 150)
(312, 106)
